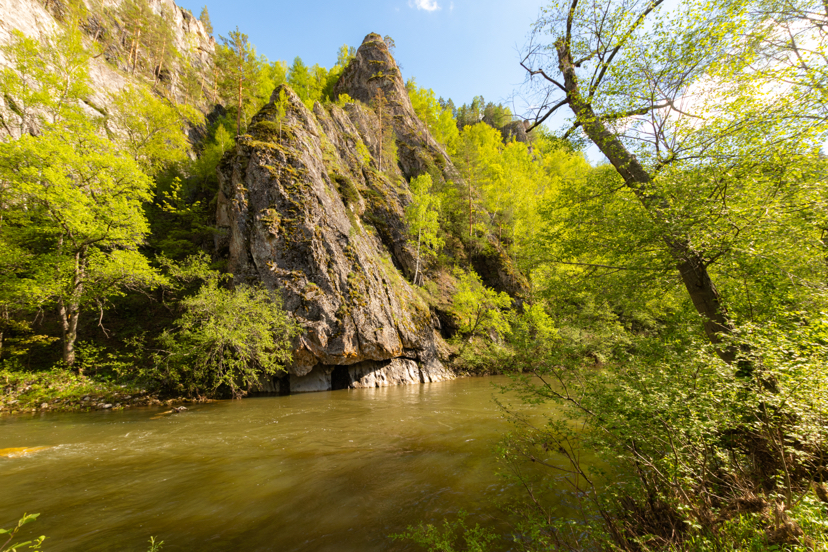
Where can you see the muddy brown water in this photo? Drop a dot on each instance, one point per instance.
(332, 471)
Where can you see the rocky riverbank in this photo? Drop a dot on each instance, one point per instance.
(65, 391)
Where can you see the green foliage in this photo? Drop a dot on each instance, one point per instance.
(9, 546)
(204, 17)
(150, 38)
(43, 82)
(344, 55)
(63, 389)
(452, 536)
(226, 339)
(204, 167)
(240, 69)
(478, 111)
(315, 84)
(36, 544)
(179, 227)
(343, 99)
(151, 129)
(690, 444)
(421, 215)
(478, 308)
(438, 120)
(74, 205)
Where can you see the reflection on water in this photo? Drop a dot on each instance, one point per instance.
(334, 471)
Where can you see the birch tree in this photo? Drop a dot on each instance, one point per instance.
(421, 215)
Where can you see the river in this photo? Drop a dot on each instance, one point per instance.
(332, 471)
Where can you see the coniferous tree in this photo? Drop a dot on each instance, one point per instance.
(239, 66)
(204, 17)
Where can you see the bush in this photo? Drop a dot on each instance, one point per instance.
(225, 340)
(700, 457)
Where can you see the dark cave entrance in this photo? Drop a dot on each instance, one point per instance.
(340, 378)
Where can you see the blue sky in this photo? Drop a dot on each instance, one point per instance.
(459, 48)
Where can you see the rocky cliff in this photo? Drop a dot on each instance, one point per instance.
(374, 71)
(308, 208)
(101, 24)
(307, 211)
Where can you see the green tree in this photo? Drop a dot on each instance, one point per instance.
(239, 67)
(344, 55)
(438, 119)
(75, 203)
(479, 308)
(225, 338)
(707, 150)
(151, 129)
(421, 215)
(43, 82)
(204, 17)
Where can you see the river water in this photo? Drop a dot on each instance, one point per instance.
(332, 471)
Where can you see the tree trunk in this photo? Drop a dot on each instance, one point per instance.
(690, 263)
(417, 269)
(215, 84)
(160, 63)
(238, 115)
(69, 308)
(137, 42)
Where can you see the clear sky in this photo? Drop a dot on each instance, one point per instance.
(459, 48)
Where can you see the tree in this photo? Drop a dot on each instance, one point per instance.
(390, 44)
(77, 209)
(204, 17)
(237, 61)
(137, 16)
(225, 338)
(151, 129)
(421, 215)
(344, 55)
(437, 118)
(43, 83)
(691, 128)
(478, 307)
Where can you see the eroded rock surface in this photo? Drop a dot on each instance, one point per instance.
(308, 213)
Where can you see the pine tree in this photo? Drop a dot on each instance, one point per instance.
(204, 17)
(236, 60)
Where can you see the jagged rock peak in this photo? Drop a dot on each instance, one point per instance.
(307, 212)
(373, 71)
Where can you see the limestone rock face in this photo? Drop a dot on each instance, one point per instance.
(307, 213)
(307, 210)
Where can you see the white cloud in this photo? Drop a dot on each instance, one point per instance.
(427, 5)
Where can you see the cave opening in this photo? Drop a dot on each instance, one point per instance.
(340, 378)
